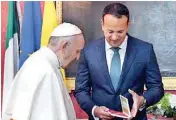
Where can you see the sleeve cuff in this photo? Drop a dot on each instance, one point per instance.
(93, 109)
(143, 105)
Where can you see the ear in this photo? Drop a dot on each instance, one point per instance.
(102, 25)
(63, 46)
(128, 23)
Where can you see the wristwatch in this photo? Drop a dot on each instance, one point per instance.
(143, 105)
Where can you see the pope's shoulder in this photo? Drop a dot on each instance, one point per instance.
(37, 63)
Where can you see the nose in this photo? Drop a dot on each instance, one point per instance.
(114, 37)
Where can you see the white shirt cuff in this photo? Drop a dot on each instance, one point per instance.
(143, 106)
(93, 109)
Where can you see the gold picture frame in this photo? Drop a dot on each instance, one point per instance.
(59, 11)
(169, 82)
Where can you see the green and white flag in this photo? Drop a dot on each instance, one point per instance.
(11, 62)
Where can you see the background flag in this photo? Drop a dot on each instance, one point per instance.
(31, 30)
(19, 15)
(49, 23)
(11, 62)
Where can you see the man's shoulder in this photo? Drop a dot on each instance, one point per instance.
(95, 42)
(139, 42)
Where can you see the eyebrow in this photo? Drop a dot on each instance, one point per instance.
(116, 31)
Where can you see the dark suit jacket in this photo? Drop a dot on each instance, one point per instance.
(140, 67)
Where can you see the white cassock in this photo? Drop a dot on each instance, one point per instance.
(38, 91)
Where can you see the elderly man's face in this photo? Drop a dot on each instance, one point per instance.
(77, 46)
(115, 29)
(73, 53)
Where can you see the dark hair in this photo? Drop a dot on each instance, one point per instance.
(116, 9)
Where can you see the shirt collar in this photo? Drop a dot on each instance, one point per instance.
(123, 46)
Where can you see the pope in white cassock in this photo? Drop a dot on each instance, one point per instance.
(38, 91)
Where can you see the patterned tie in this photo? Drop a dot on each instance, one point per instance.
(115, 68)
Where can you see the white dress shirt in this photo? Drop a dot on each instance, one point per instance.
(110, 52)
(109, 55)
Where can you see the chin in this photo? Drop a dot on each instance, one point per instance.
(115, 45)
(64, 66)
(67, 65)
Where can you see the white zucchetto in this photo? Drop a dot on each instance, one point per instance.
(66, 29)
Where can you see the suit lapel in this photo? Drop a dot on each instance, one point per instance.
(101, 56)
(129, 58)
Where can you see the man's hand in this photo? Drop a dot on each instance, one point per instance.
(138, 102)
(102, 112)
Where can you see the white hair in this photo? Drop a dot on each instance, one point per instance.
(55, 40)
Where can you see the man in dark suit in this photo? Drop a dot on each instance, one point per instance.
(117, 64)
